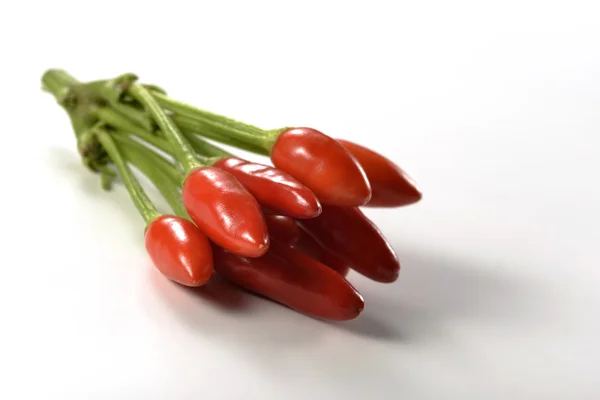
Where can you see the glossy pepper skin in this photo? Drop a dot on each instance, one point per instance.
(273, 188)
(348, 233)
(179, 250)
(286, 230)
(293, 279)
(323, 165)
(224, 210)
(283, 228)
(309, 246)
(390, 185)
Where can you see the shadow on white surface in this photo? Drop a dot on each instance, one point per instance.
(446, 288)
(221, 294)
(431, 294)
(374, 325)
(452, 287)
(434, 291)
(237, 317)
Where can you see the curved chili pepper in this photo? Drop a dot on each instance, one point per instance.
(347, 232)
(390, 185)
(293, 279)
(225, 211)
(287, 231)
(282, 228)
(179, 250)
(309, 246)
(273, 188)
(335, 262)
(323, 165)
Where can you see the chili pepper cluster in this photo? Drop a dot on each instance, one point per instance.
(289, 232)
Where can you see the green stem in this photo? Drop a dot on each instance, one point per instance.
(58, 82)
(155, 159)
(77, 99)
(181, 147)
(191, 126)
(96, 86)
(122, 123)
(137, 116)
(113, 95)
(218, 124)
(155, 141)
(194, 112)
(136, 191)
(154, 88)
(118, 120)
(202, 123)
(79, 125)
(156, 173)
(207, 149)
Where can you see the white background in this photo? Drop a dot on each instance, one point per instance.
(493, 107)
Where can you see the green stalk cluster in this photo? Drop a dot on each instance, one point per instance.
(121, 123)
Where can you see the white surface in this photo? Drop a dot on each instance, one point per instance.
(494, 111)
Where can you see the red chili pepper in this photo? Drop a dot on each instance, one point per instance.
(348, 233)
(273, 188)
(287, 231)
(282, 228)
(390, 185)
(309, 246)
(225, 211)
(335, 262)
(293, 279)
(323, 165)
(179, 250)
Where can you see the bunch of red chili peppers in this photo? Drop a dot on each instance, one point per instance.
(289, 232)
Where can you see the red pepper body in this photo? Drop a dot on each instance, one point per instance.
(348, 233)
(293, 279)
(179, 250)
(335, 262)
(283, 228)
(309, 246)
(273, 188)
(225, 211)
(323, 165)
(287, 231)
(390, 185)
